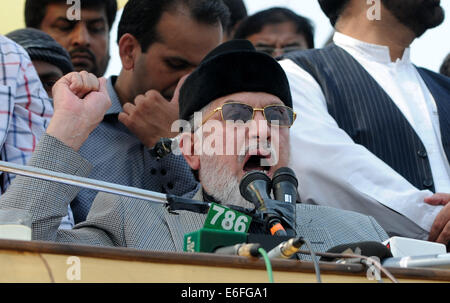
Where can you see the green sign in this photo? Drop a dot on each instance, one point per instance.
(223, 218)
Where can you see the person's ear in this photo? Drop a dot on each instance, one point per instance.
(129, 49)
(187, 144)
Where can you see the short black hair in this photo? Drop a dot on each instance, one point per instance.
(333, 9)
(445, 67)
(238, 12)
(140, 18)
(35, 10)
(254, 24)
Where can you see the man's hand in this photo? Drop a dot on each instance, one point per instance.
(80, 102)
(151, 116)
(440, 230)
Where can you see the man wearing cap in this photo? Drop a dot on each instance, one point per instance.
(376, 133)
(250, 87)
(49, 58)
(51, 62)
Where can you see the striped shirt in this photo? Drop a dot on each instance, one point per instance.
(25, 109)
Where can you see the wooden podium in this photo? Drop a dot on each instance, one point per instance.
(35, 262)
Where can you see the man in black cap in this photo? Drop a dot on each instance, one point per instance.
(49, 58)
(234, 83)
(376, 133)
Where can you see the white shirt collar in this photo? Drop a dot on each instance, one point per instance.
(373, 52)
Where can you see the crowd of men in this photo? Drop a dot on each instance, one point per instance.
(366, 131)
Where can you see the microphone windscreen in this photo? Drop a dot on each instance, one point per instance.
(368, 249)
(253, 176)
(285, 174)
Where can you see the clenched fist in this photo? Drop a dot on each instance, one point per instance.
(80, 103)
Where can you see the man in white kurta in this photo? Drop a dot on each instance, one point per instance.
(332, 168)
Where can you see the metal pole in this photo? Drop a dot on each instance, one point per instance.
(102, 186)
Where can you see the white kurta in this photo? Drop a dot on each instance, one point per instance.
(335, 171)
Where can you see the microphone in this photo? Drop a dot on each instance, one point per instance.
(286, 249)
(368, 249)
(165, 147)
(284, 184)
(255, 187)
(241, 249)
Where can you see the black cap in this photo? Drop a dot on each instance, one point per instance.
(232, 67)
(41, 46)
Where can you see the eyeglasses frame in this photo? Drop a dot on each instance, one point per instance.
(253, 114)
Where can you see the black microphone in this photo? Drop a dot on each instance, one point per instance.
(164, 147)
(368, 249)
(255, 187)
(284, 184)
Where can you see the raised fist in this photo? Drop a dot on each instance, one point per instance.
(80, 103)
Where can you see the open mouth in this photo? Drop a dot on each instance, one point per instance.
(257, 162)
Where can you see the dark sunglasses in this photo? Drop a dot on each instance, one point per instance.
(275, 114)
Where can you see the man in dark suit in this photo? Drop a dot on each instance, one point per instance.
(375, 137)
(263, 101)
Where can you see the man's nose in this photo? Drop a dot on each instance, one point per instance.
(277, 52)
(259, 126)
(80, 35)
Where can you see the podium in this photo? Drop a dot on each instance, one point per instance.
(36, 262)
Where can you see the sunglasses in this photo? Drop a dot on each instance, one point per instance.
(284, 116)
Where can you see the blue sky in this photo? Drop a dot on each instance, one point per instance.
(428, 51)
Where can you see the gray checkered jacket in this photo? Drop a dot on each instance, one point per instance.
(127, 222)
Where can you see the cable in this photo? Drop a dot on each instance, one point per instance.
(268, 264)
(314, 258)
(49, 271)
(350, 256)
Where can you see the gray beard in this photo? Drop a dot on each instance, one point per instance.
(220, 183)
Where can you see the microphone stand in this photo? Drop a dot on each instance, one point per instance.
(172, 202)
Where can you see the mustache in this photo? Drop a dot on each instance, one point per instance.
(265, 148)
(82, 51)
